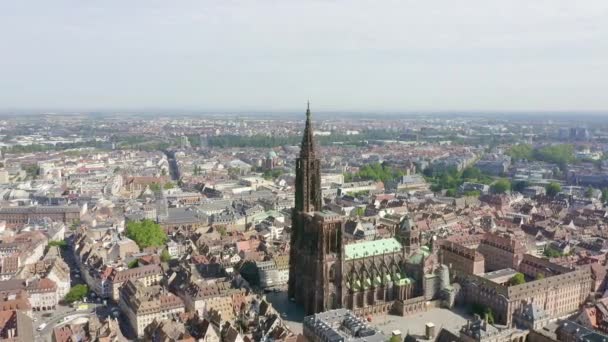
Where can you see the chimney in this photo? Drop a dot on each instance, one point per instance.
(430, 331)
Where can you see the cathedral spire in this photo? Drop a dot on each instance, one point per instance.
(308, 144)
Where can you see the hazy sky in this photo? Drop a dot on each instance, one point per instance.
(274, 55)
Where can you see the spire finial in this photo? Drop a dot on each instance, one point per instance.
(307, 109)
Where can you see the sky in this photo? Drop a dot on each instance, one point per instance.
(256, 55)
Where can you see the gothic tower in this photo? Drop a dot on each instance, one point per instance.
(308, 174)
(408, 235)
(316, 248)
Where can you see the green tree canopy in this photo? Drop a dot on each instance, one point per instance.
(553, 189)
(561, 154)
(77, 292)
(519, 186)
(165, 256)
(521, 151)
(472, 193)
(517, 279)
(605, 195)
(272, 174)
(222, 230)
(551, 252)
(471, 173)
(501, 186)
(155, 187)
(395, 338)
(483, 311)
(146, 233)
(375, 172)
(59, 243)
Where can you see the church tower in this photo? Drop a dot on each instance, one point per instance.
(316, 247)
(308, 172)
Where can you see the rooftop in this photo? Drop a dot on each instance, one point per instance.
(371, 248)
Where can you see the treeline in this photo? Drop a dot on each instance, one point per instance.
(451, 179)
(57, 147)
(145, 143)
(275, 141)
(251, 141)
(562, 154)
(376, 172)
(142, 142)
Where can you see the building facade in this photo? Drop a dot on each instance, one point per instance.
(367, 277)
(19, 216)
(144, 304)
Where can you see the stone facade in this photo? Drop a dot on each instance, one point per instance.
(461, 259)
(19, 216)
(366, 277)
(143, 304)
(557, 296)
(501, 250)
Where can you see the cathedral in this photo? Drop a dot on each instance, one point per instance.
(378, 276)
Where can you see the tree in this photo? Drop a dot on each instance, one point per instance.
(234, 172)
(154, 187)
(517, 279)
(489, 314)
(559, 154)
(589, 192)
(221, 230)
(472, 193)
(77, 292)
(553, 189)
(376, 172)
(59, 243)
(360, 211)
(519, 186)
(32, 171)
(169, 185)
(165, 256)
(521, 151)
(146, 233)
(395, 338)
(551, 252)
(133, 263)
(483, 311)
(450, 192)
(605, 195)
(540, 276)
(75, 224)
(272, 174)
(471, 173)
(501, 186)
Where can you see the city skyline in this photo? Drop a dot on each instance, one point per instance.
(266, 56)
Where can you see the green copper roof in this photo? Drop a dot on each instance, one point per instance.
(371, 248)
(419, 256)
